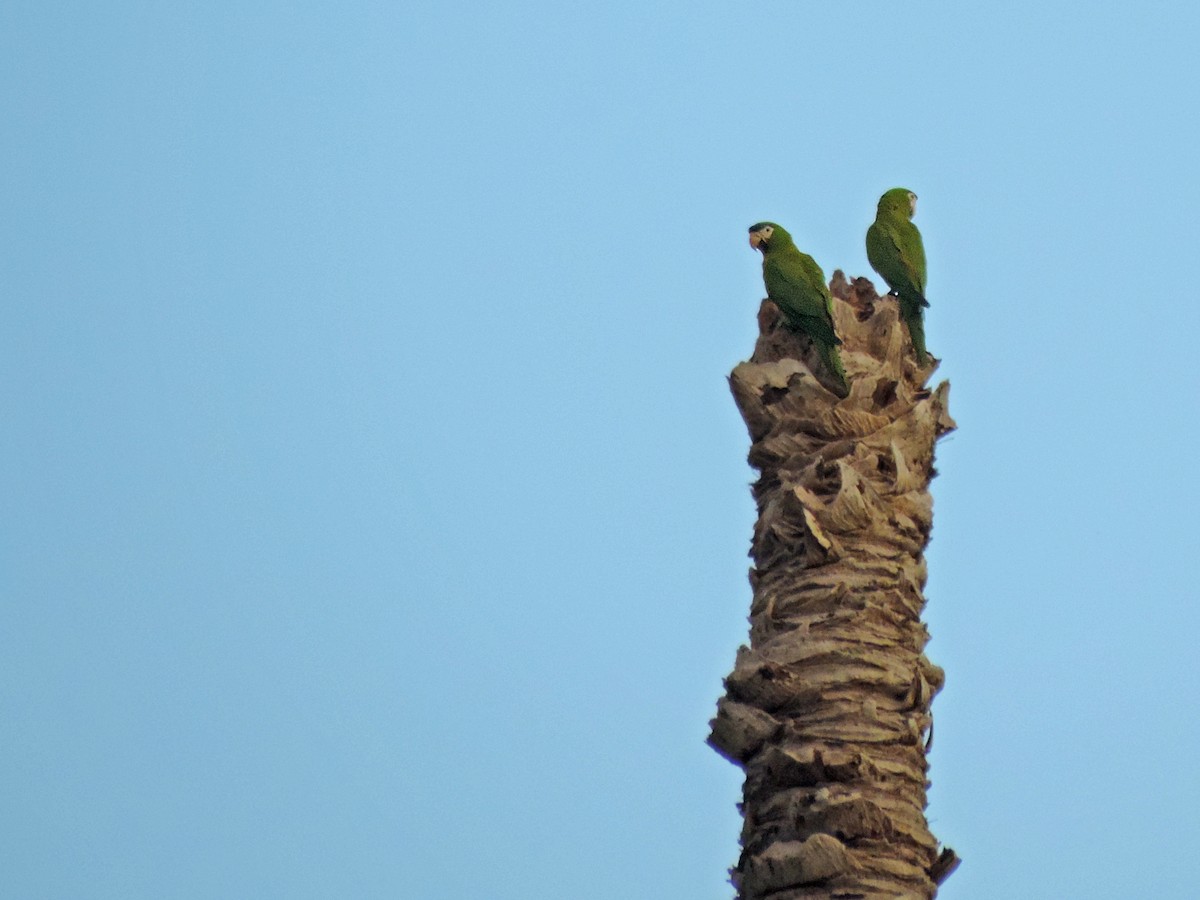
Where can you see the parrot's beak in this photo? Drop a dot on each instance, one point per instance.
(757, 241)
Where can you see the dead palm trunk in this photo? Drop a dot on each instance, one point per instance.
(828, 709)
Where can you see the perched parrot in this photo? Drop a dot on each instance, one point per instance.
(796, 284)
(895, 251)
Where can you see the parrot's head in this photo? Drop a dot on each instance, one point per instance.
(766, 235)
(898, 201)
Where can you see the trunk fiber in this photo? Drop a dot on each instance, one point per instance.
(828, 709)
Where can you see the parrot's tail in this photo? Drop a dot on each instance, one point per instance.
(833, 363)
(916, 328)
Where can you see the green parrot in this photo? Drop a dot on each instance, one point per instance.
(796, 284)
(895, 251)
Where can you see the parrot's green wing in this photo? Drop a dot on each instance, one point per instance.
(796, 284)
(896, 251)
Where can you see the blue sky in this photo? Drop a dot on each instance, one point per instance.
(377, 511)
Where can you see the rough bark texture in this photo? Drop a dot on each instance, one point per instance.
(828, 709)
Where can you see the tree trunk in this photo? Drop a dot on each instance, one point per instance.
(828, 709)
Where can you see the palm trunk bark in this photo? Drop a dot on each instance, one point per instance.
(828, 709)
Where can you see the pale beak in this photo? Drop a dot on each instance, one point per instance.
(756, 239)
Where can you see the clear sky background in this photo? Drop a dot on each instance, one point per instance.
(375, 507)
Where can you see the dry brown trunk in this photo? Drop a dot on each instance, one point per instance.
(828, 709)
